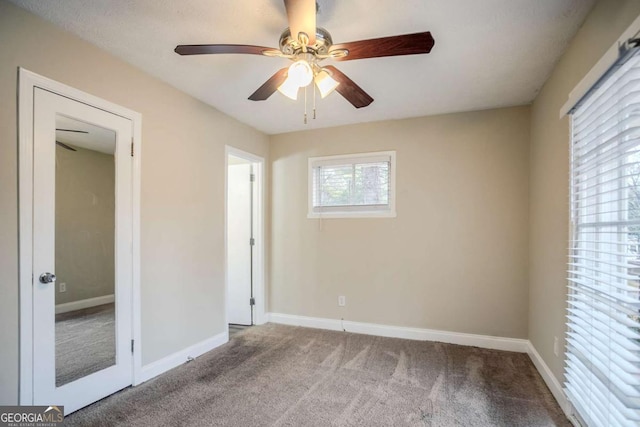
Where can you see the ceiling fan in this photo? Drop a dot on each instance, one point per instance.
(307, 46)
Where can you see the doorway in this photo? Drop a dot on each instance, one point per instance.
(78, 245)
(244, 239)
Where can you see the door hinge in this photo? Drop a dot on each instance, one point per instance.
(132, 346)
(131, 147)
(252, 301)
(252, 177)
(252, 241)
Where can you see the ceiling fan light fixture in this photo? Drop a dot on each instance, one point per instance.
(325, 83)
(301, 73)
(289, 88)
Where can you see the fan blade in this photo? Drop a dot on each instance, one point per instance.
(63, 145)
(349, 89)
(408, 44)
(302, 18)
(270, 86)
(204, 49)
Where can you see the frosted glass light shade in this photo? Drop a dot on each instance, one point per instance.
(289, 88)
(325, 83)
(301, 73)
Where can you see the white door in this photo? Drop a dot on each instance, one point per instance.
(82, 232)
(239, 238)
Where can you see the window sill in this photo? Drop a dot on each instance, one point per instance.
(351, 215)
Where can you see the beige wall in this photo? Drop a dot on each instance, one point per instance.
(85, 224)
(549, 204)
(182, 187)
(455, 258)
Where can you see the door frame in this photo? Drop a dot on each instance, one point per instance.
(259, 293)
(27, 82)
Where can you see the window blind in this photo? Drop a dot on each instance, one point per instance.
(357, 183)
(603, 322)
(353, 184)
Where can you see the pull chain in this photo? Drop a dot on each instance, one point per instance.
(314, 102)
(305, 105)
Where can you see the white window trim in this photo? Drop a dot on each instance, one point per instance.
(349, 211)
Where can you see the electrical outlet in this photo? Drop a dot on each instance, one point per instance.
(342, 301)
(63, 287)
(556, 346)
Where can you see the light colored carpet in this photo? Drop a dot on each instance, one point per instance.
(85, 342)
(236, 329)
(275, 375)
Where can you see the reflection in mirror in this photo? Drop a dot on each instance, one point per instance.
(85, 249)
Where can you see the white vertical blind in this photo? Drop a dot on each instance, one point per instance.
(603, 338)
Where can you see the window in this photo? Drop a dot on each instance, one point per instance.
(352, 186)
(603, 337)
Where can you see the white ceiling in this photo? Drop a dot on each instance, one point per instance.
(487, 54)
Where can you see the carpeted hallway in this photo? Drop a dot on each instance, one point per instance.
(275, 375)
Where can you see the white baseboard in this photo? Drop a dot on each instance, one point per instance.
(84, 303)
(483, 341)
(178, 358)
(551, 380)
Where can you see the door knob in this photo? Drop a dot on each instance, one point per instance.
(47, 278)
